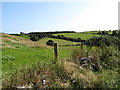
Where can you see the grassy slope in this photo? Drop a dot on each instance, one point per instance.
(20, 51)
(78, 35)
(24, 36)
(59, 41)
(82, 35)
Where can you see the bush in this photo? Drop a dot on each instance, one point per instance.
(77, 55)
(50, 42)
(33, 38)
(103, 33)
(114, 33)
(99, 41)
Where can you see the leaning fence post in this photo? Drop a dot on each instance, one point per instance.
(55, 52)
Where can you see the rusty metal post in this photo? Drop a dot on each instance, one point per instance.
(55, 52)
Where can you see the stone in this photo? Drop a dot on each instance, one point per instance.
(85, 60)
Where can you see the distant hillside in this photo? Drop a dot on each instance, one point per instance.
(12, 41)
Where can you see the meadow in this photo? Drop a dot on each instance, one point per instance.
(27, 63)
(59, 41)
(19, 53)
(85, 36)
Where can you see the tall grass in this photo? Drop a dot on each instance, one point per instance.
(68, 73)
(106, 60)
(32, 67)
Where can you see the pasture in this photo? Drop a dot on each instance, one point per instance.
(26, 63)
(78, 35)
(59, 41)
(19, 51)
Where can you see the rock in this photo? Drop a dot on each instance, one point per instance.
(87, 63)
(85, 60)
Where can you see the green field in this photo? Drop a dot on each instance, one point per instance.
(59, 41)
(26, 62)
(88, 32)
(78, 35)
(92, 32)
(20, 54)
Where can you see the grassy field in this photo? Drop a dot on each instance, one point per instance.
(91, 32)
(21, 56)
(59, 41)
(78, 35)
(19, 51)
(26, 63)
(88, 32)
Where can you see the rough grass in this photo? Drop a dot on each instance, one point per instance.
(106, 60)
(28, 66)
(20, 51)
(11, 41)
(64, 74)
(58, 75)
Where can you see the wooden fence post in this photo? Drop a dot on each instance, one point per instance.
(81, 45)
(55, 52)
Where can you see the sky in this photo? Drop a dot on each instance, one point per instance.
(85, 15)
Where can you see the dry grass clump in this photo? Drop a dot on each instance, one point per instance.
(83, 78)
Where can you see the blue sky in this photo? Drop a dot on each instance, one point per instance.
(43, 16)
(53, 16)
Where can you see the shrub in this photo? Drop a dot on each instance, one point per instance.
(33, 38)
(62, 35)
(103, 32)
(119, 34)
(50, 42)
(114, 33)
(99, 41)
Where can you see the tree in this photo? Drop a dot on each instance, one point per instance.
(119, 34)
(104, 32)
(21, 32)
(114, 33)
(107, 40)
